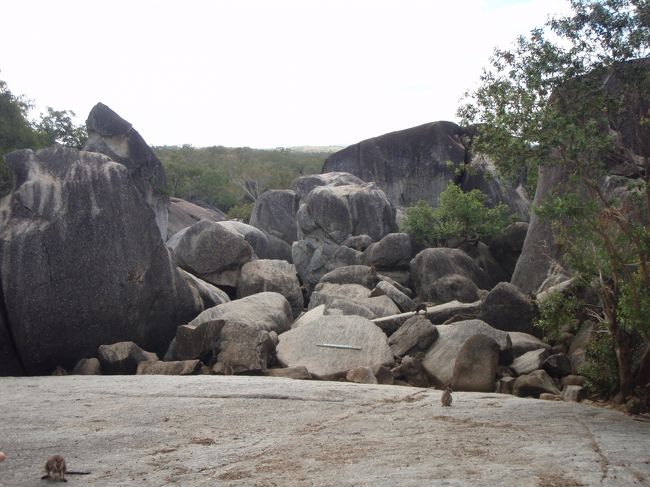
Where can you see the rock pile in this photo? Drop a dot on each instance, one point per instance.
(321, 285)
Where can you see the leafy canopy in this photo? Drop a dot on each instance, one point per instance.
(459, 215)
(575, 94)
(17, 131)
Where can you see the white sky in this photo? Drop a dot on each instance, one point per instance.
(258, 73)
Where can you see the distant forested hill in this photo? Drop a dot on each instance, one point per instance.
(225, 177)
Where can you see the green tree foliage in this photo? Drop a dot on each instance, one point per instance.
(224, 177)
(57, 127)
(460, 216)
(241, 212)
(544, 101)
(17, 131)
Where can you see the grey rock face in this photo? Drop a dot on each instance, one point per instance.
(271, 275)
(410, 165)
(183, 214)
(524, 342)
(433, 264)
(507, 246)
(504, 385)
(403, 302)
(313, 259)
(337, 207)
(309, 316)
(338, 212)
(418, 163)
(264, 311)
(440, 358)
(534, 384)
(392, 251)
(361, 375)
(183, 367)
(352, 299)
(243, 348)
(275, 214)
(484, 259)
(110, 134)
(539, 250)
(303, 185)
(412, 370)
(358, 242)
(210, 295)
(530, 361)
(361, 274)
(9, 360)
(77, 232)
(87, 366)
(558, 365)
(211, 252)
(300, 346)
(508, 309)
(122, 358)
(417, 334)
(256, 238)
(574, 393)
(476, 365)
(298, 373)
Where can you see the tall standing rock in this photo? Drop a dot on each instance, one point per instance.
(329, 215)
(82, 261)
(110, 134)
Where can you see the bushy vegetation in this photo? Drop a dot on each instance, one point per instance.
(17, 131)
(557, 313)
(459, 217)
(225, 177)
(543, 101)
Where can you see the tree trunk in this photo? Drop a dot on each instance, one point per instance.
(624, 355)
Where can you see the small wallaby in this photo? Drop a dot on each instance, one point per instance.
(56, 469)
(446, 398)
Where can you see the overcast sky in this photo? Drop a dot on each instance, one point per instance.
(258, 73)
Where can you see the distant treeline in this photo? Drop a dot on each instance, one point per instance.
(226, 177)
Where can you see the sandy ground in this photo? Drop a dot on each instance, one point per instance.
(254, 431)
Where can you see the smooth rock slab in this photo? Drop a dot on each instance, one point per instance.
(300, 346)
(145, 430)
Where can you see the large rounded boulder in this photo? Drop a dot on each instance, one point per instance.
(211, 252)
(441, 275)
(82, 261)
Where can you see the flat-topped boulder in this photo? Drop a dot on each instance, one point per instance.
(332, 345)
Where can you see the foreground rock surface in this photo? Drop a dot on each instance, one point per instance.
(152, 430)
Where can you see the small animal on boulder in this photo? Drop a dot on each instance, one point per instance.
(446, 398)
(55, 469)
(421, 307)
